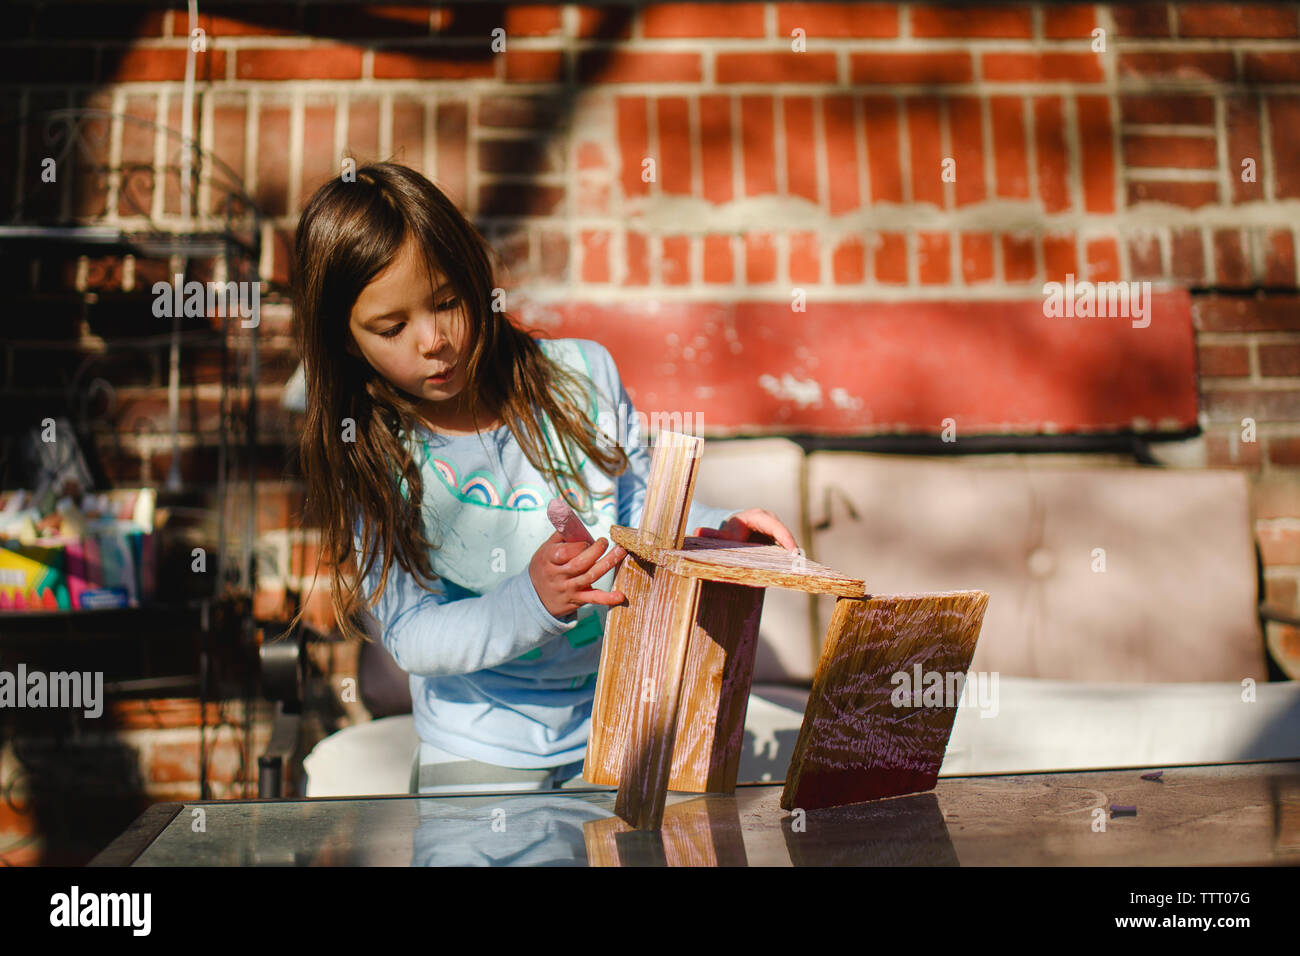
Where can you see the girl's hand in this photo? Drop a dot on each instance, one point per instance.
(563, 573)
(748, 524)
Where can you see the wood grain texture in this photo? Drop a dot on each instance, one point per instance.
(647, 759)
(854, 743)
(674, 464)
(715, 688)
(741, 562)
(611, 711)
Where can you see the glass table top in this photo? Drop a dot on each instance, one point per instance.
(1216, 815)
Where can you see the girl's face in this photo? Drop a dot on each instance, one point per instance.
(408, 333)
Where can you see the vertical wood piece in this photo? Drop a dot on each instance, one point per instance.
(715, 688)
(674, 465)
(647, 757)
(855, 744)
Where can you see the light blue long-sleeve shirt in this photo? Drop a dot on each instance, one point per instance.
(494, 675)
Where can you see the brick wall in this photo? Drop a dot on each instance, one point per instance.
(1115, 155)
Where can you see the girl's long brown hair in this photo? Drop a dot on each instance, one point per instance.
(348, 233)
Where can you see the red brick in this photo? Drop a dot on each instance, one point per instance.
(1184, 109)
(1178, 65)
(634, 143)
(1042, 67)
(732, 21)
(1261, 404)
(323, 62)
(273, 159)
(452, 136)
(1215, 20)
(912, 68)
(1285, 451)
(533, 21)
(272, 19)
(1278, 257)
(638, 259)
(1018, 263)
(719, 263)
(1069, 21)
(534, 66)
(1282, 592)
(805, 265)
(1229, 451)
(985, 21)
(966, 134)
(926, 150)
(1242, 118)
(1279, 360)
(837, 19)
(775, 67)
(891, 258)
(1103, 260)
(1284, 126)
(1141, 19)
(1060, 258)
(715, 148)
(1009, 147)
(976, 257)
(606, 23)
(1052, 153)
(1279, 545)
(884, 172)
(800, 148)
(318, 159)
(1188, 259)
(1270, 67)
(760, 257)
(1230, 265)
(174, 762)
(841, 141)
(848, 261)
(595, 255)
(674, 145)
(1279, 313)
(758, 145)
(1096, 158)
(675, 263)
(1223, 361)
(1190, 194)
(933, 258)
(366, 21)
(1170, 152)
(159, 64)
(408, 133)
(628, 66)
(362, 143)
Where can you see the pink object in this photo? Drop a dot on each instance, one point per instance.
(567, 523)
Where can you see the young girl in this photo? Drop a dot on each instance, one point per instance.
(436, 433)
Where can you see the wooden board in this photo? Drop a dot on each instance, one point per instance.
(674, 465)
(741, 562)
(855, 744)
(647, 758)
(715, 688)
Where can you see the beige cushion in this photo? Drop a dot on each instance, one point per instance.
(1176, 601)
(764, 473)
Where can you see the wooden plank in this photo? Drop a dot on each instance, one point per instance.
(741, 562)
(855, 743)
(647, 757)
(674, 464)
(611, 711)
(715, 688)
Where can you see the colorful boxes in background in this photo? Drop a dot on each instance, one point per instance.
(101, 554)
